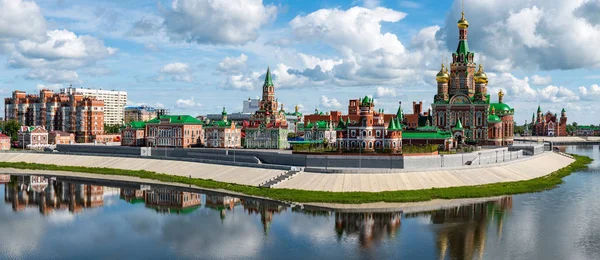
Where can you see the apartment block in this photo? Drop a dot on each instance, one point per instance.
(114, 102)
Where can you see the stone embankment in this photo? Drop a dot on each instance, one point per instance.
(518, 170)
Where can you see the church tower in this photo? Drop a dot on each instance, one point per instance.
(268, 102)
(481, 81)
(462, 69)
(442, 79)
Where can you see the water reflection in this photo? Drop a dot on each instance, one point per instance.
(369, 227)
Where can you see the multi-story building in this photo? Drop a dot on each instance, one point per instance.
(134, 134)
(369, 133)
(174, 131)
(587, 130)
(334, 116)
(143, 113)
(73, 113)
(223, 133)
(549, 124)
(114, 102)
(462, 95)
(36, 136)
(60, 137)
(4, 142)
(417, 119)
(268, 127)
(320, 131)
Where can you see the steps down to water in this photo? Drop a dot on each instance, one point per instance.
(280, 178)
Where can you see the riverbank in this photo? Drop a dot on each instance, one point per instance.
(303, 196)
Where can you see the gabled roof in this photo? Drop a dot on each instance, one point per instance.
(3, 136)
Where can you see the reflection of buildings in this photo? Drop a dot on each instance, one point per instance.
(50, 195)
(4, 178)
(369, 227)
(266, 211)
(221, 203)
(132, 196)
(172, 201)
(462, 231)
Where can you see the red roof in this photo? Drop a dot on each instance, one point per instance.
(2, 136)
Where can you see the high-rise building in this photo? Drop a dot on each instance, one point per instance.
(73, 113)
(114, 102)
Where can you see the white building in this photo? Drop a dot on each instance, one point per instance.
(114, 102)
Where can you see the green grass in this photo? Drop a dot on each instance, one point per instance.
(534, 185)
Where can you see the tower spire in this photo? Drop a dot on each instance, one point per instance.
(268, 80)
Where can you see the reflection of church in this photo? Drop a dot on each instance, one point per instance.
(265, 210)
(462, 231)
(172, 201)
(369, 227)
(462, 97)
(221, 203)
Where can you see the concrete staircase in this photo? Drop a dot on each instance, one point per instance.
(280, 178)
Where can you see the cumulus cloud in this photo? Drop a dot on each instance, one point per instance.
(329, 102)
(589, 10)
(539, 80)
(535, 34)
(187, 103)
(144, 27)
(517, 89)
(21, 20)
(53, 87)
(178, 72)
(54, 76)
(233, 64)
(383, 92)
(241, 81)
(217, 22)
(591, 93)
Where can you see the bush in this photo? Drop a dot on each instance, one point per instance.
(412, 149)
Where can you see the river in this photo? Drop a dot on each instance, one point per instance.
(54, 217)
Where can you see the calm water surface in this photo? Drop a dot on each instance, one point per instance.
(50, 218)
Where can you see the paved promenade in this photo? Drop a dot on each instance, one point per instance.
(224, 173)
(516, 171)
(373, 182)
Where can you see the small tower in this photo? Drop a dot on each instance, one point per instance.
(224, 115)
(442, 79)
(500, 96)
(458, 132)
(481, 81)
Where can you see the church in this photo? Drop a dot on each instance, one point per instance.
(462, 97)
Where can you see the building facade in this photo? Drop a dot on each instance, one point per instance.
(174, 131)
(320, 131)
(73, 113)
(462, 95)
(60, 137)
(549, 124)
(171, 201)
(134, 134)
(34, 136)
(353, 114)
(587, 130)
(142, 113)
(114, 102)
(268, 128)
(369, 133)
(223, 133)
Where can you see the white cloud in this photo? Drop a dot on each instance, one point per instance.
(520, 90)
(21, 20)
(54, 76)
(383, 92)
(593, 93)
(241, 82)
(357, 29)
(179, 72)
(187, 103)
(524, 24)
(329, 102)
(557, 94)
(539, 80)
(233, 64)
(217, 22)
(325, 64)
(53, 87)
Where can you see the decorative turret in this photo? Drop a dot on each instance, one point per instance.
(462, 23)
(442, 79)
(392, 126)
(500, 96)
(400, 113)
(224, 115)
(563, 113)
(442, 75)
(480, 76)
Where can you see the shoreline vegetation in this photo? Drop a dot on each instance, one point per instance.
(303, 196)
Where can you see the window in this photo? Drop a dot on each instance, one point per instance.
(353, 133)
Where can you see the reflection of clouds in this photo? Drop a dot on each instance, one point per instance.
(60, 217)
(19, 232)
(318, 230)
(193, 236)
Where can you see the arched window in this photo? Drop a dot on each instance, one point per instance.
(364, 145)
(370, 145)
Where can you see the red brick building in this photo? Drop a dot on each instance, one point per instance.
(549, 124)
(73, 113)
(174, 131)
(134, 134)
(353, 114)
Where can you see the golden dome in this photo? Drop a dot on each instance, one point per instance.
(480, 76)
(462, 23)
(442, 76)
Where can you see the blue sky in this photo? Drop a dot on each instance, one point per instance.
(197, 56)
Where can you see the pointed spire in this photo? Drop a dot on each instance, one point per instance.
(400, 113)
(458, 124)
(392, 125)
(539, 109)
(268, 80)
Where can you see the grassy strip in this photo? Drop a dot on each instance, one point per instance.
(495, 189)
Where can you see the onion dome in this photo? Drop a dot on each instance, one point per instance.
(462, 23)
(480, 76)
(442, 76)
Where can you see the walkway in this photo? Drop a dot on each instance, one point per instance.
(231, 174)
(516, 171)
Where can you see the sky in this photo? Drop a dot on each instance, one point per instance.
(197, 56)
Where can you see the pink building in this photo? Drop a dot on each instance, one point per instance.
(4, 142)
(60, 137)
(36, 136)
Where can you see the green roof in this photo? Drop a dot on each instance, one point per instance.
(341, 124)
(463, 48)
(501, 108)
(268, 79)
(392, 125)
(220, 123)
(588, 127)
(539, 109)
(425, 135)
(224, 112)
(427, 128)
(563, 110)
(177, 119)
(137, 124)
(400, 113)
(494, 119)
(458, 126)
(186, 210)
(321, 124)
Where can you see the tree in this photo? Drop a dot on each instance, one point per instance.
(575, 124)
(112, 129)
(10, 128)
